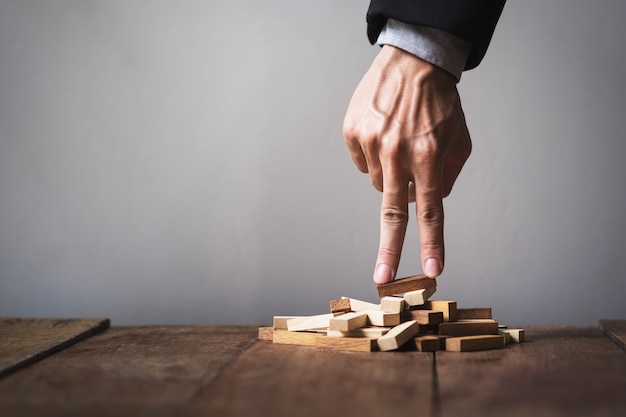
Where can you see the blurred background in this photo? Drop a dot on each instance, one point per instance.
(183, 162)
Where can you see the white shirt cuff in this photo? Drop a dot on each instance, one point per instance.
(432, 45)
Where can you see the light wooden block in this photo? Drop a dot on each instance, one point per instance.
(472, 343)
(429, 343)
(515, 335)
(423, 316)
(348, 321)
(469, 328)
(366, 332)
(398, 335)
(402, 285)
(507, 336)
(341, 305)
(286, 337)
(358, 305)
(419, 297)
(319, 321)
(357, 344)
(280, 322)
(447, 307)
(392, 304)
(380, 318)
(474, 313)
(266, 333)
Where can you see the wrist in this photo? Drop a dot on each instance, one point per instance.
(435, 46)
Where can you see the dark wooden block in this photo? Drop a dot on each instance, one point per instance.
(402, 285)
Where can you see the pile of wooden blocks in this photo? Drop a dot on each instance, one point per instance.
(404, 319)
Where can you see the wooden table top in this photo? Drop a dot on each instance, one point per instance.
(226, 371)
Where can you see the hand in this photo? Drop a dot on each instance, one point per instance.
(405, 127)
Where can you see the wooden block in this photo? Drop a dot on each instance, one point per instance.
(515, 335)
(469, 328)
(507, 336)
(398, 335)
(358, 305)
(341, 305)
(266, 333)
(280, 322)
(380, 318)
(348, 321)
(402, 285)
(418, 297)
(474, 313)
(472, 343)
(357, 344)
(423, 316)
(391, 304)
(285, 337)
(319, 321)
(367, 332)
(447, 307)
(428, 343)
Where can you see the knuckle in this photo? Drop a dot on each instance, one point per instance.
(395, 216)
(430, 216)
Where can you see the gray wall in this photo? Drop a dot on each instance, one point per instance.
(183, 162)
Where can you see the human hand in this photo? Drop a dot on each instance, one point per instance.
(405, 127)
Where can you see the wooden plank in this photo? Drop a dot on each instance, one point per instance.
(428, 343)
(474, 343)
(402, 285)
(398, 336)
(319, 321)
(359, 305)
(473, 313)
(430, 317)
(448, 308)
(266, 333)
(126, 371)
(301, 338)
(287, 381)
(348, 321)
(616, 330)
(341, 305)
(280, 322)
(24, 341)
(392, 304)
(560, 371)
(356, 344)
(419, 297)
(368, 332)
(469, 328)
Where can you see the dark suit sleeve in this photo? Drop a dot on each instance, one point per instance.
(471, 20)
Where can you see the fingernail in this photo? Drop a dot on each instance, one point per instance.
(383, 274)
(432, 268)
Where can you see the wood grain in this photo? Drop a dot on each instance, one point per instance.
(125, 371)
(357, 344)
(24, 341)
(402, 285)
(287, 381)
(221, 370)
(474, 313)
(558, 371)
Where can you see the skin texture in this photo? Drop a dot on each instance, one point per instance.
(406, 128)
